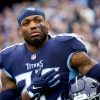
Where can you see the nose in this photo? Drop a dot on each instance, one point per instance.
(33, 25)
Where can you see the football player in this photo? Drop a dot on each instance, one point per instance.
(42, 66)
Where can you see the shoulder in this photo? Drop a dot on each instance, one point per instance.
(10, 49)
(68, 37)
(69, 41)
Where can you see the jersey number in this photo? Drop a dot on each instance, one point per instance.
(27, 78)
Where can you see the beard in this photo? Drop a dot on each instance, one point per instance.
(39, 40)
(36, 42)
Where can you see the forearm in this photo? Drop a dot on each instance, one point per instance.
(85, 65)
(24, 96)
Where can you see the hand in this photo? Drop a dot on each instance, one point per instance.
(42, 83)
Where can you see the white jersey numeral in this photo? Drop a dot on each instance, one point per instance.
(25, 76)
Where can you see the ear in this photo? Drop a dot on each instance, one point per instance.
(47, 24)
(19, 30)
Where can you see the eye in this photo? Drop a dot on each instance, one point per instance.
(25, 24)
(39, 20)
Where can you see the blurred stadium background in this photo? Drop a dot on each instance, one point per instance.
(71, 16)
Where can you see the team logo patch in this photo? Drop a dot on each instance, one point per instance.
(33, 57)
(32, 9)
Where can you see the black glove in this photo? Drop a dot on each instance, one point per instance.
(42, 83)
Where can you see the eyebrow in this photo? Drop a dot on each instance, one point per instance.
(35, 17)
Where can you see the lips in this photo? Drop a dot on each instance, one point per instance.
(35, 33)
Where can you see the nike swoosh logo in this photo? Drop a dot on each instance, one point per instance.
(36, 87)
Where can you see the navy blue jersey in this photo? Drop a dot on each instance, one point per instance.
(19, 63)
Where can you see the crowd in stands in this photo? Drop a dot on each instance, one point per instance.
(65, 16)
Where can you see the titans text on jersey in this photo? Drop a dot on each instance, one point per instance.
(20, 64)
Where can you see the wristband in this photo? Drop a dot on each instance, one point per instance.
(94, 72)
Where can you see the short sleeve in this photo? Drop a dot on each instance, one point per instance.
(77, 44)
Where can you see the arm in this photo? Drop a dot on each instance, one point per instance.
(9, 89)
(7, 83)
(81, 62)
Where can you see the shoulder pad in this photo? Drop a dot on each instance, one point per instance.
(10, 48)
(70, 35)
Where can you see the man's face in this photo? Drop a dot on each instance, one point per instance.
(34, 30)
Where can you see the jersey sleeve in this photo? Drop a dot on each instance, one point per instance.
(5, 61)
(71, 42)
(77, 44)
